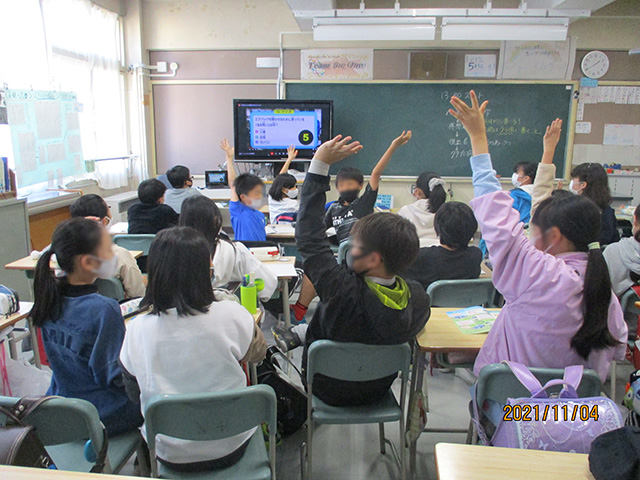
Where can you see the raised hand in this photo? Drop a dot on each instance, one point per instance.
(550, 140)
(552, 135)
(292, 153)
(228, 149)
(472, 118)
(402, 139)
(337, 149)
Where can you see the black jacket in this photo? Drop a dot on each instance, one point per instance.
(348, 310)
(150, 219)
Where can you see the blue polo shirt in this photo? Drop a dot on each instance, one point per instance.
(248, 223)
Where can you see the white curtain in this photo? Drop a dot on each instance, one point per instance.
(85, 54)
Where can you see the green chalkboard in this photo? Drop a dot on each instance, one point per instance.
(375, 113)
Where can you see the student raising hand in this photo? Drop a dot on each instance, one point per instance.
(376, 173)
(227, 148)
(550, 140)
(472, 118)
(337, 149)
(292, 153)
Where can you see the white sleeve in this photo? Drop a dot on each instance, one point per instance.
(248, 263)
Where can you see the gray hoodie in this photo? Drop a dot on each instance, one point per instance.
(622, 258)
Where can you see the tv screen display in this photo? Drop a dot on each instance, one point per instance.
(265, 128)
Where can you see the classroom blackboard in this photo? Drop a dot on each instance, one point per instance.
(375, 113)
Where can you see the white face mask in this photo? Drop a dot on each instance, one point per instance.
(571, 189)
(107, 268)
(255, 203)
(292, 193)
(514, 180)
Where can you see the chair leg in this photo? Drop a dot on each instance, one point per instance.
(309, 450)
(403, 450)
(381, 431)
(614, 378)
(469, 439)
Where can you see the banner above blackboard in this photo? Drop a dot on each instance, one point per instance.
(336, 64)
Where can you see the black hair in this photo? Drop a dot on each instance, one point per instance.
(245, 183)
(636, 214)
(350, 173)
(437, 196)
(179, 266)
(597, 188)
(178, 176)
(203, 215)
(73, 237)
(91, 205)
(529, 169)
(393, 237)
(578, 219)
(283, 180)
(151, 191)
(455, 224)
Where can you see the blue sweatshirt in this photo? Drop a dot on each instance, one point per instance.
(83, 346)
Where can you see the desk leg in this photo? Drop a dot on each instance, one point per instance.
(417, 381)
(33, 332)
(286, 312)
(253, 373)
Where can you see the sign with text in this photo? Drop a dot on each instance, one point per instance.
(537, 60)
(336, 64)
(482, 66)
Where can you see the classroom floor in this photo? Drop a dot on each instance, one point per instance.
(345, 452)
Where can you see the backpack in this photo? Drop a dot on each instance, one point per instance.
(291, 399)
(20, 445)
(9, 301)
(565, 423)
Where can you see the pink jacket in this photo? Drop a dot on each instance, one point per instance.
(543, 295)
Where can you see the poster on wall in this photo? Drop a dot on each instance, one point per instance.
(480, 66)
(336, 64)
(532, 60)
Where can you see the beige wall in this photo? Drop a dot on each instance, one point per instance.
(243, 24)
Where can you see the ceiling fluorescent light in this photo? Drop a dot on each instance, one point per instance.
(502, 28)
(372, 29)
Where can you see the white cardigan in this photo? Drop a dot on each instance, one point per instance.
(418, 213)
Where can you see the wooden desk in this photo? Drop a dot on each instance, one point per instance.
(441, 334)
(462, 462)
(29, 264)
(10, 321)
(280, 231)
(22, 473)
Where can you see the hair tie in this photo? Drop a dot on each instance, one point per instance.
(434, 182)
(594, 246)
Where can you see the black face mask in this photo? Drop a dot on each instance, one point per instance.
(349, 196)
(350, 259)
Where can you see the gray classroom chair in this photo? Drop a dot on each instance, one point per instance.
(358, 363)
(64, 425)
(135, 242)
(110, 287)
(214, 416)
(342, 251)
(462, 293)
(497, 382)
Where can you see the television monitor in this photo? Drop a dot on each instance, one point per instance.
(263, 129)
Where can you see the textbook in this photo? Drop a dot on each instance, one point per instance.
(473, 319)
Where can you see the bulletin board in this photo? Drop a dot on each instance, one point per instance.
(45, 134)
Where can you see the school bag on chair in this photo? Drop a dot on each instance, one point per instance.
(19, 443)
(565, 423)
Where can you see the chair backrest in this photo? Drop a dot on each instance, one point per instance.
(357, 362)
(497, 382)
(210, 416)
(342, 251)
(135, 242)
(64, 420)
(462, 293)
(110, 287)
(628, 301)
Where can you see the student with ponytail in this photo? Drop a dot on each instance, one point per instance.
(559, 309)
(82, 331)
(431, 194)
